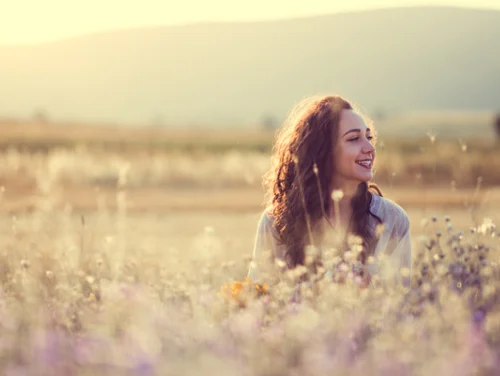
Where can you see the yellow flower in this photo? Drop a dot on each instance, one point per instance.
(261, 289)
(240, 291)
(236, 288)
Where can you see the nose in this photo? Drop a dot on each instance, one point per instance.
(368, 147)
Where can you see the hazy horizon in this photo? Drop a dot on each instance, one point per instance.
(55, 20)
(247, 72)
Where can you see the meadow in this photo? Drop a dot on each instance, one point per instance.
(124, 252)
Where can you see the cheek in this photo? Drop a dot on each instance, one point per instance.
(348, 154)
(344, 158)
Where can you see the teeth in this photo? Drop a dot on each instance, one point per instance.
(365, 163)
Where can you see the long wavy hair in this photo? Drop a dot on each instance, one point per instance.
(299, 181)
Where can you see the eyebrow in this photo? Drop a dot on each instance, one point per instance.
(355, 130)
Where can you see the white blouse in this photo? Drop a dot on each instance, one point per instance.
(392, 252)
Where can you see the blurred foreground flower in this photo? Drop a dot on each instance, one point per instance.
(241, 291)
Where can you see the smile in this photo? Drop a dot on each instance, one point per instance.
(368, 163)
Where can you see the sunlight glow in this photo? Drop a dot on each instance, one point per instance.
(33, 21)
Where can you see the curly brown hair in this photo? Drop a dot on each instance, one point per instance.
(299, 183)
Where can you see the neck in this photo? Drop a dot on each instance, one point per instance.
(348, 189)
(343, 205)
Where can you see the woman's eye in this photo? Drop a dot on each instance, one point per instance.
(369, 138)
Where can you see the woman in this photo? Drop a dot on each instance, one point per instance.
(321, 194)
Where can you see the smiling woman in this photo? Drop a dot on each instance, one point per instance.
(322, 198)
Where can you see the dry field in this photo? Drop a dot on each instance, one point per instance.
(114, 255)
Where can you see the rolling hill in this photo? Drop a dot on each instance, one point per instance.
(390, 60)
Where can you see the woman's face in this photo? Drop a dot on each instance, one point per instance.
(354, 152)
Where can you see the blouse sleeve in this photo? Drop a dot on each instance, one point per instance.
(404, 246)
(264, 243)
(399, 249)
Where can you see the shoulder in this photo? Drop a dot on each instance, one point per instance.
(266, 229)
(390, 213)
(266, 217)
(266, 222)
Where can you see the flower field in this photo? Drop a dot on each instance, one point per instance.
(128, 294)
(133, 262)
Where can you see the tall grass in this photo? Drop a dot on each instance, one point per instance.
(431, 164)
(95, 295)
(92, 295)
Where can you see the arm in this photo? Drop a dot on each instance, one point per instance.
(264, 242)
(398, 249)
(406, 255)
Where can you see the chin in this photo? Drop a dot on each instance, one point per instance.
(365, 178)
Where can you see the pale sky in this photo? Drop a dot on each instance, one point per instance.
(35, 21)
